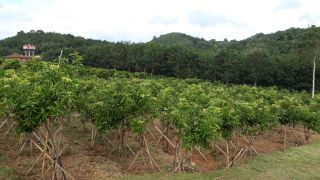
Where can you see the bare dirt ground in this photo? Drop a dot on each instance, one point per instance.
(104, 160)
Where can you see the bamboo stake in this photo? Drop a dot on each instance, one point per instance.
(244, 152)
(254, 149)
(148, 152)
(313, 77)
(53, 160)
(40, 139)
(182, 162)
(130, 149)
(44, 158)
(239, 154)
(3, 123)
(37, 160)
(151, 134)
(220, 149)
(165, 130)
(134, 159)
(8, 130)
(227, 154)
(285, 139)
(47, 170)
(165, 137)
(204, 157)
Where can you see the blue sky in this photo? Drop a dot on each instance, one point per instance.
(140, 20)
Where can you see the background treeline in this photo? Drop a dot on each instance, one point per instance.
(283, 59)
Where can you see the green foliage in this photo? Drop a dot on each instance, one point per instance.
(34, 65)
(2, 110)
(8, 173)
(180, 39)
(38, 97)
(280, 59)
(139, 125)
(2, 72)
(1, 60)
(75, 59)
(11, 64)
(199, 111)
(117, 102)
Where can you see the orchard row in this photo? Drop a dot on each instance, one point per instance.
(199, 112)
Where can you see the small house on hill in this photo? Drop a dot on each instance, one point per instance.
(29, 53)
(29, 49)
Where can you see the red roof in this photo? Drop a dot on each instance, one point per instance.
(29, 46)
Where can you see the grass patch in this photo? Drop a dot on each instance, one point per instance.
(5, 171)
(3, 158)
(8, 173)
(296, 163)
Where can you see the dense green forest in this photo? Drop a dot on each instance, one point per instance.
(282, 59)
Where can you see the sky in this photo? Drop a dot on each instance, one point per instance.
(141, 20)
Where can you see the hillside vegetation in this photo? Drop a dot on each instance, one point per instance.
(282, 59)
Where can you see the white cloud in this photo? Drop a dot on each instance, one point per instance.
(288, 4)
(140, 20)
(163, 20)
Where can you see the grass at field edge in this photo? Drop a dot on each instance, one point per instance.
(295, 163)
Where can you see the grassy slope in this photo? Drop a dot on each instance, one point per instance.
(297, 163)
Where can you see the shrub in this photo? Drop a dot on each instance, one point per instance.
(12, 64)
(1, 60)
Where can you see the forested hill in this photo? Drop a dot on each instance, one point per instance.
(180, 39)
(283, 58)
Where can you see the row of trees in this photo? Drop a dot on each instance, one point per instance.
(282, 59)
(193, 113)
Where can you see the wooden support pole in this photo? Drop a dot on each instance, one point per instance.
(165, 137)
(313, 77)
